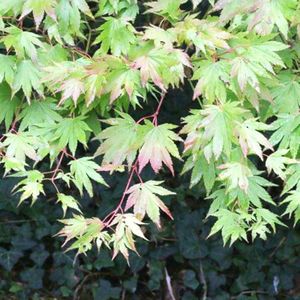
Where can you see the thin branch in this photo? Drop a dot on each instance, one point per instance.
(169, 285)
(134, 169)
(202, 281)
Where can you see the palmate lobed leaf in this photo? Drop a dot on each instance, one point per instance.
(84, 170)
(127, 225)
(116, 35)
(70, 131)
(143, 198)
(67, 202)
(158, 146)
(293, 208)
(120, 141)
(24, 43)
(39, 8)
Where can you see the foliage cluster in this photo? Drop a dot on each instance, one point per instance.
(77, 73)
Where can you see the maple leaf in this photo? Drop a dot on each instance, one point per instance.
(116, 35)
(287, 131)
(74, 227)
(27, 78)
(262, 15)
(39, 8)
(123, 80)
(7, 68)
(83, 170)
(30, 186)
(8, 106)
(256, 61)
(231, 224)
(267, 216)
(70, 131)
(11, 6)
(158, 147)
(93, 232)
(144, 200)
(287, 89)
(127, 225)
(19, 146)
(213, 77)
(67, 78)
(67, 202)
(126, 8)
(277, 162)
(121, 140)
(160, 36)
(293, 177)
(218, 124)
(293, 200)
(167, 8)
(251, 139)
(39, 112)
(202, 34)
(270, 13)
(236, 174)
(23, 42)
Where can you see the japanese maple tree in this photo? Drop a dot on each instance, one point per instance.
(78, 72)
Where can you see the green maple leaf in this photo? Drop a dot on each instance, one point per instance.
(27, 78)
(262, 15)
(123, 80)
(218, 124)
(39, 8)
(255, 61)
(125, 8)
(287, 132)
(120, 141)
(158, 147)
(93, 232)
(160, 36)
(19, 146)
(231, 224)
(8, 105)
(127, 225)
(116, 35)
(288, 90)
(67, 202)
(23, 42)
(83, 171)
(293, 200)
(163, 66)
(255, 193)
(236, 174)
(293, 177)
(7, 68)
(270, 13)
(11, 6)
(31, 186)
(73, 227)
(70, 131)
(262, 214)
(167, 8)
(212, 80)
(203, 34)
(39, 112)
(251, 139)
(278, 161)
(143, 197)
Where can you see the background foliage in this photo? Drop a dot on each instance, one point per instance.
(119, 115)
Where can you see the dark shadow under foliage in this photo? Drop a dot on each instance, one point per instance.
(33, 266)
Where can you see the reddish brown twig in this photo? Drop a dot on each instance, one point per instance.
(134, 169)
